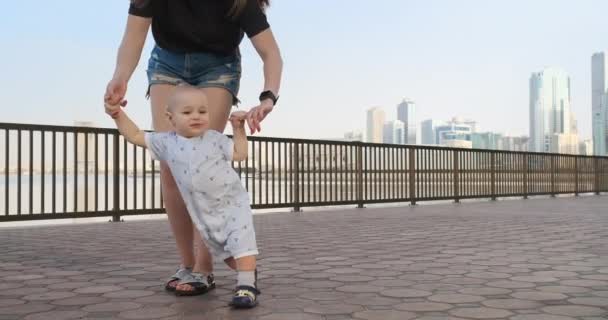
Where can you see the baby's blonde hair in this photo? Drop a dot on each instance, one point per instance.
(180, 89)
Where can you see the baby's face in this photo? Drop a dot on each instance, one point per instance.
(189, 113)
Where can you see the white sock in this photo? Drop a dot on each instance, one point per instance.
(245, 278)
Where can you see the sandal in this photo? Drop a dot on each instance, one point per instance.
(173, 281)
(245, 297)
(198, 283)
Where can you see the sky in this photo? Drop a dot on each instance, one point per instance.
(469, 58)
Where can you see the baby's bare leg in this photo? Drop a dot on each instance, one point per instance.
(231, 263)
(247, 263)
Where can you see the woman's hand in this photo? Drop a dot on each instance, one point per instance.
(257, 114)
(115, 92)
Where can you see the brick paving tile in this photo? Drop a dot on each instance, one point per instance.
(539, 259)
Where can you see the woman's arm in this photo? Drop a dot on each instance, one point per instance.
(268, 49)
(129, 53)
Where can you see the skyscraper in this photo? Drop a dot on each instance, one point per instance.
(599, 102)
(566, 143)
(406, 113)
(428, 132)
(394, 132)
(521, 143)
(375, 125)
(549, 108)
(455, 133)
(486, 140)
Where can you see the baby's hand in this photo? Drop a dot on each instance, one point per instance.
(237, 119)
(114, 110)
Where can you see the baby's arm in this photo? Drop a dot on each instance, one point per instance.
(239, 136)
(125, 126)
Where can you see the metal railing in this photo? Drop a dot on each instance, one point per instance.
(69, 172)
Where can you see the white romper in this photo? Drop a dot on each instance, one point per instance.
(217, 202)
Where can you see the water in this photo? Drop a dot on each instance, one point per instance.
(67, 192)
(144, 192)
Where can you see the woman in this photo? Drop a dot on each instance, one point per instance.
(197, 42)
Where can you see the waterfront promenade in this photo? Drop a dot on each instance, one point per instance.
(536, 259)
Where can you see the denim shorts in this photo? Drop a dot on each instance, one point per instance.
(201, 69)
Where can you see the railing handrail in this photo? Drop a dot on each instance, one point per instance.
(85, 129)
(121, 179)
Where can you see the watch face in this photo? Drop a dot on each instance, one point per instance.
(268, 95)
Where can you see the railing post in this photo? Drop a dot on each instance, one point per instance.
(576, 176)
(456, 178)
(412, 174)
(596, 174)
(526, 170)
(552, 176)
(296, 159)
(116, 176)
(359, 175)
(493, 174)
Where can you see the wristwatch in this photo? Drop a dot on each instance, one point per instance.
(269, 95)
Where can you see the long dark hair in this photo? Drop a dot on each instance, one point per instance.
(140, 3)
(235, 10)
(239, 5)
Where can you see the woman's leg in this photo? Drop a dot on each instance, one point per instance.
(181, 225)
(220, 104)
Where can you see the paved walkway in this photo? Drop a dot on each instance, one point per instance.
(540, 259)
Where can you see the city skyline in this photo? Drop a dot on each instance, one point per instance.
(470, 59)
(553, 126)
